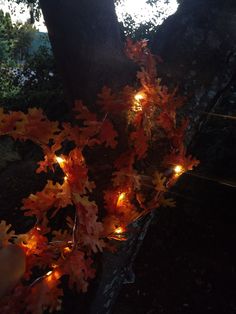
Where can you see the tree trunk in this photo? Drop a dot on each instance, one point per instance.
(197, 45)
(86, 43)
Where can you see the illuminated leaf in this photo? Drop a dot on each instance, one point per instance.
(107, 134)
(159, 182)
(79, 268)
(43, 296)
(140, 142)
(5, 234)
(167, 202)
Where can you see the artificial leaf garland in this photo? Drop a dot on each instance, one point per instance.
(134, 190)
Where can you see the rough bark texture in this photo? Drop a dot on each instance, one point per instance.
(198, 47)
(86, 43)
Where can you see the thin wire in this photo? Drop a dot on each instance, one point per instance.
(218, 115)
(220, 181)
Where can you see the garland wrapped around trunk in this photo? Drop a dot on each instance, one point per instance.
(103, 178)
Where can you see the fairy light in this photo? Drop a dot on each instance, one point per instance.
(139, 96)
(66, 249)
(119, 230)
(56, 274)
(60, 160)
(178, 169)
(119, 234)
(137, 106)
(52, 276)
(120, 200)
(31, 244)
(49, 273)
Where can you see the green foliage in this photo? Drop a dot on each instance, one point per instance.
(23, 38)
(15, 40)
(27, 70)
(8, 87)
(36, 82)
(6, 36)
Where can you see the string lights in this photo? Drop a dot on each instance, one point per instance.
(178, 170)
(61, 161)
(137, 105)
(121, 199)
(119, 234)
(52, 276)
(127, 201)
(119, 230)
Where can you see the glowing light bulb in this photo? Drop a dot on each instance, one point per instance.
(56, 274)
(139, 96)
(49, 273)
(178, 170)
(121, 198)
(60, 160)
(52, 276)
(119, 234)
(119, 230)
(137, 106)
(66, 250)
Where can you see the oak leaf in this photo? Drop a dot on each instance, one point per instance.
(6, 235)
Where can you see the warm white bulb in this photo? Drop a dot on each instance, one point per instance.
(178, 169)
(121, 198)
(60, 160)
(119, 230)
(139, 97)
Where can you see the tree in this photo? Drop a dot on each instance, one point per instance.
(82, 64)
(24, 35)
(16, 39)
(6, 36)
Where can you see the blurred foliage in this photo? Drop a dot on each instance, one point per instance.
(36, 84)
(6, 36)
(28, 75)
(34, 4)
(143, 22)
(144, 30)
(15, 39)
(24, 35)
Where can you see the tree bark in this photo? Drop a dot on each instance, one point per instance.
(197, 45)
(86, 43)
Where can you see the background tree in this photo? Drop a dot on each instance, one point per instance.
(27, 67)
(6, 36)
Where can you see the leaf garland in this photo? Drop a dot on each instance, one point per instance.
(134, 189)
